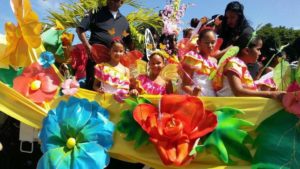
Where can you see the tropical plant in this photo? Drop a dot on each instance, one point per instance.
(70, 15)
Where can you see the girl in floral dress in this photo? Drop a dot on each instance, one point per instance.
(112, 77)
(197, 67)
(152, 83)
(234, 79)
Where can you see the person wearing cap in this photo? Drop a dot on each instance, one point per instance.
(235, 26)
(105, 24)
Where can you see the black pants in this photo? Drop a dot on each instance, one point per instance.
(90, 74)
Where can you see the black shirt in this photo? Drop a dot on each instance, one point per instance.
(104, 27)
(231, 37)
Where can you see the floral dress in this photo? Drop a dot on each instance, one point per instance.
(146, 86)
(113, 81)
(236, 65)
(203, 68)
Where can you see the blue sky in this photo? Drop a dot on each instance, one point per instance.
(277, 12)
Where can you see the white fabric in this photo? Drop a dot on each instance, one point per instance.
(226, 90)
(114, 14)
(264, 78)
(108, 88)
(201, 81)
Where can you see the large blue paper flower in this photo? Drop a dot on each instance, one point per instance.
(77, 134)
(46, 59)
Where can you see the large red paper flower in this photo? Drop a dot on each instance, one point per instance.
(175, 126)
(37, 84)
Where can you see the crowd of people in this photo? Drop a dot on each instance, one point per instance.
(197, 61)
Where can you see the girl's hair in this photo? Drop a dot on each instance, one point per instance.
(115, 41)
(249, 42)
(186, 31)
(159, 54)
(204, 31)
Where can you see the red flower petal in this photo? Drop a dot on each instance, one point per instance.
(22, 84)
(206, 126)
(145, 115)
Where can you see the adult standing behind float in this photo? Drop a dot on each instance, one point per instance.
(105, 24)
(234, 29)
(235, 26)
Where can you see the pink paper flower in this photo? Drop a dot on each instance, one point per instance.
(37, 84)
(70, 87)
(291, 102)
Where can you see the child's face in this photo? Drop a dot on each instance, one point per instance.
(207, 43)
(116, 51)
(156, 64)
(254, 52)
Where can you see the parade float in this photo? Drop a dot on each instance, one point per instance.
(79, 128)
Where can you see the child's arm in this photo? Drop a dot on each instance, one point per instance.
(97, 86)
(238, 90)
(169, 87)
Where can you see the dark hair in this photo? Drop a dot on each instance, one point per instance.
(186, 31)
(157, 53)
(249, 42)
(235, 6)
(242, 23)
(194, 22)
(203, 32)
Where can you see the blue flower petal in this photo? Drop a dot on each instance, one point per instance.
(99, 130)
(56, 158)
(46, 59)
(90, 155)
(73, 116)
(51, 135)
(97, 109)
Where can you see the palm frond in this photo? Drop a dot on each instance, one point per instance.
(71, 13)
(139, 21)
(133, 3)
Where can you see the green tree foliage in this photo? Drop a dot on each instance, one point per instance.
(274, 37)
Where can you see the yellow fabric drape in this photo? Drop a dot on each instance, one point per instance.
(256, 110)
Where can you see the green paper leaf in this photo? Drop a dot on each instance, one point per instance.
(282, 75)
(7, 76)
(230, 52)
(131, 103)
(278, 142)
(228, 138)
(130, 127)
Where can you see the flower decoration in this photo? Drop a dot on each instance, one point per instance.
(70, 87)
(46, 59)
(37, 84)
(76, 134)
(291, 102)
(171, 15)
(21, 39)
(175, 126)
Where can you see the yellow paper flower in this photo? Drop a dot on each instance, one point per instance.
(21, 39)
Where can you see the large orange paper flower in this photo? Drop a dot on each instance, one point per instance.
(37, 84)
(175, 126)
